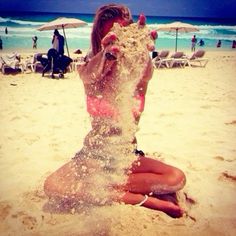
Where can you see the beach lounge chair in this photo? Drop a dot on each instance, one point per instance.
(11, 63)
(159, 61)
(77, 61)
(198, 59)
(178, 59)
(34, 64)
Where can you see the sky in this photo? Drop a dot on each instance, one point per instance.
(188, 8)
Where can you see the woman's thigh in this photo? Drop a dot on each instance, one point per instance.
(150, 165)
(149, 175)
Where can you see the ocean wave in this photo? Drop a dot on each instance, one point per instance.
(26, 31)
(21, 33)
(224, 27)
(211, 32)
(15, 22)
(188, 36)
(78, 35)
(210, 27)
(19, 22)
(85, 32)
(8, 21)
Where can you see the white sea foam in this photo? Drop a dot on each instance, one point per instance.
(20, 30)
(20, 22)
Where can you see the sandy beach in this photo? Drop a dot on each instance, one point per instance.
(189, 122)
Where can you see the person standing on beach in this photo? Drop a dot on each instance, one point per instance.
(58, 42)
(147, 180)
(194, 41)
(35, 39)
(0, 43)
(234, 44)
(6, 30)
(218, 45)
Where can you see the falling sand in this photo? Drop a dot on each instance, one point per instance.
(111, 141)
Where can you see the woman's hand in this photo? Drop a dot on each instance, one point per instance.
(104, 62)
(98, 66)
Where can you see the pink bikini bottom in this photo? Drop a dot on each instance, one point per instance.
(100, 107)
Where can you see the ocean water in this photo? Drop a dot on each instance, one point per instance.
(23, 26)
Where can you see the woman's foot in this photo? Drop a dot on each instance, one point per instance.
(169, 208)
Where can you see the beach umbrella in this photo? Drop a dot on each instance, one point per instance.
(63, 23)
(177, 27)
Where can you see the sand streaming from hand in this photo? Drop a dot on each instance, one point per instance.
(110, 143)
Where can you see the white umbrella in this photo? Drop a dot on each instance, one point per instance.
(177, 27)
(63, 23)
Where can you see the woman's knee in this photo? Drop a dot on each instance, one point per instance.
(176, 178)
(49, 185)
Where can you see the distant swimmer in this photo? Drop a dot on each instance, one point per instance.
(201, 43)
(218, 45)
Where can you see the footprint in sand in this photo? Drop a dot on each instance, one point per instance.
(29, 222)
(44, 103)
(206, 106)
(220, 158)
(5, 209)
(233, 122)
(15, 118)
(31, 138)
(228, 176)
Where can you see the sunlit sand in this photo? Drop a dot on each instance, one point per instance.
(189, 122)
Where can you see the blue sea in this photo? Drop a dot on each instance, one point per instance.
(23, 26)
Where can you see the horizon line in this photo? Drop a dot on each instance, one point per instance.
(82, 13)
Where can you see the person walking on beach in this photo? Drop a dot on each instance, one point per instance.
(147, 180)
(35, 39)
(58, 42)
(194, 41)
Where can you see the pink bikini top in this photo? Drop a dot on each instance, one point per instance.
(97, 106)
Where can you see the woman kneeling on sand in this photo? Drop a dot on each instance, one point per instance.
(109, 168)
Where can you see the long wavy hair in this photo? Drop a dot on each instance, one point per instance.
(104, 14)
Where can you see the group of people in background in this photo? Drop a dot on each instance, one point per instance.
(57, 42)
(202, 43)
